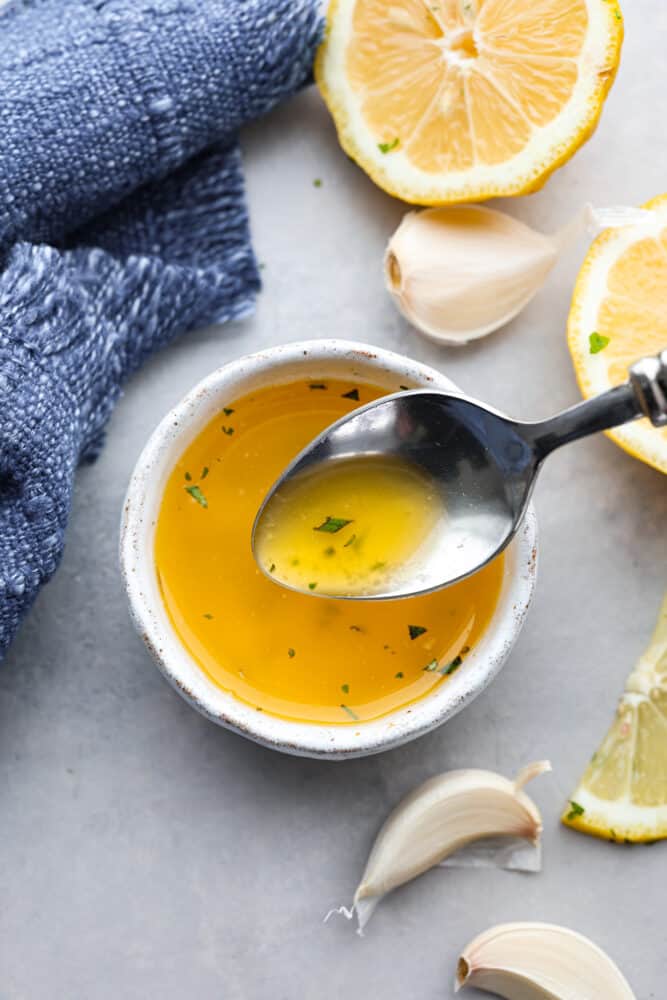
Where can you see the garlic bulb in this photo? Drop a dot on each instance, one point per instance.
(534, 961)
(442, 815)
(459, 272)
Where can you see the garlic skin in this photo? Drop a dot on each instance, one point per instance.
(533, 961)
(460, 272)
(439, 817)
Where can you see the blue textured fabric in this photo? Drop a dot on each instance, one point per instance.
(122, 221)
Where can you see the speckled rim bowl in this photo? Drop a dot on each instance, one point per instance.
(314, 359)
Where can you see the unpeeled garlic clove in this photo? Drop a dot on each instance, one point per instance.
(460, 272)
(442, 815)
(533, 961)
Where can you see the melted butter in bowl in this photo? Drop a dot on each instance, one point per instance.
(324, 661)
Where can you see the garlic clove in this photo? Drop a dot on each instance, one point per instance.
(533, 961)
(439, 817)
(461, 271)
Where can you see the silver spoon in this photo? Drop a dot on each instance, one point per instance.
(484, 463)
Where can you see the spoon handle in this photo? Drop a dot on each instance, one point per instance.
(643, 395)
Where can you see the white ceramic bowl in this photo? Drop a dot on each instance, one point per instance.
(305, 360)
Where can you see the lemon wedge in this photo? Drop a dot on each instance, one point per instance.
(623, 793)
(446, 101)
(619, 314)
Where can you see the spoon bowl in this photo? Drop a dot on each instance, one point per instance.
(482, 463)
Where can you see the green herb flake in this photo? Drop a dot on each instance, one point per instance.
(272, 567)
(352, 394)
(431, 667)
(353, 715)
(388, 147)
(452, 667)
(295, 562)
(330, 551)
(575, 810)
(618, 15)
(227, 410)
(406, 388)
(204, 472)
(311, 586)
(291, 653)
(317, 182)
(227, 430)
(377, 566)
(399, 676)
(317, 385)
(332, 525)
(197, 495)
(209, 617)
(188, 477)
(597, 342)
(345, 688)
(416, 630)
(350, 541)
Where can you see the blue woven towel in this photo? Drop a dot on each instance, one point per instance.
(122, 221)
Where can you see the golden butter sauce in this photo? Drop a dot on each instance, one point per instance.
(317, 660)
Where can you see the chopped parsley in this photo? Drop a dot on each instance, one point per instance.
(345, 688)
(452, 667)
(204, 472)
(227, 410)
(406, 388)
(353, 715)
(311, 586)
(272, 567)
(350, 540)
(197, 495)
(227, 430)
(575, 810)
(330, 551)
(416, 630)
(431, 667)
(332, 525)
(378, 565)
(387, 147)
(291, 653)
(597, 342)
(317, 385)
(399, 675)
(188, 477)
(209, 617)
(317, 182)
(352, 394)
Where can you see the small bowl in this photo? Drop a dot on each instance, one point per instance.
(305, 360)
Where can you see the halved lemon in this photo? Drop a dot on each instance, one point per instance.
(619, 315)
(623, 793)
(460, 100)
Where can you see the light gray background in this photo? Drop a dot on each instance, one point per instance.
(146, 853)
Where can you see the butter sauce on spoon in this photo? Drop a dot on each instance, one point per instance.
(437, 483)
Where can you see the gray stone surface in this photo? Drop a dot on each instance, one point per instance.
(146, 853)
